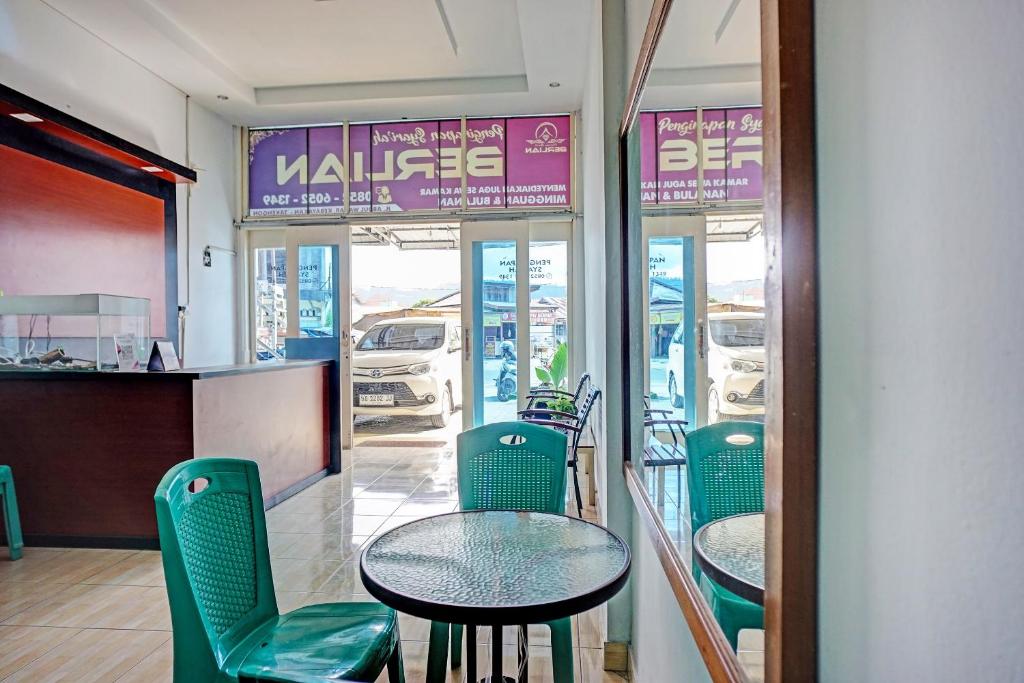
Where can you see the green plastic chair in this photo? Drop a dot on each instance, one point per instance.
(509, 466)
(725, 479)
(213, 537)
(12, 523)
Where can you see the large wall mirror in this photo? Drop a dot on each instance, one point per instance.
(702, 222)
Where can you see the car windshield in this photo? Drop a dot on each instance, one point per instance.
(738, 332)
(404, 337)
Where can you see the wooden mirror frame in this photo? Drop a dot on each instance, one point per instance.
(791, 313)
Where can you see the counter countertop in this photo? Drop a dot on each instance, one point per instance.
(185, 373)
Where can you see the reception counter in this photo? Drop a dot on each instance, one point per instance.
(88, 448)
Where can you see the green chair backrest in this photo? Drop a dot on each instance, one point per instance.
(216, 562)
(724, 478)
(512, 466)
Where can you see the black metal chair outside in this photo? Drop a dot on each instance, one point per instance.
(658, 455)
(574, 425)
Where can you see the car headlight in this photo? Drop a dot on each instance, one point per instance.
(744, 366)
(420, 369)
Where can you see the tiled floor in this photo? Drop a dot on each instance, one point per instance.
(102, 615)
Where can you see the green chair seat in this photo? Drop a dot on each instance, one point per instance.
(732, 612)
(725, 477)
(12, 524)
(213, 539)
(349, 641)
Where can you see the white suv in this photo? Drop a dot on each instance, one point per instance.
(735, 366)
(408, 366)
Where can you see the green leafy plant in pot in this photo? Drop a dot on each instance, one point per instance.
(555, 372)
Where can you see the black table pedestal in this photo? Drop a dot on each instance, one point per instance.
(496, 657)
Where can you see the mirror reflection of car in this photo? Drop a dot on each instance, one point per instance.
(408, 366)
(735, 366)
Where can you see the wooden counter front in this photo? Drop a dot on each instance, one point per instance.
(88, 449)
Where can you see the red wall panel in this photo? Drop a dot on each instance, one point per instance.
(67, 232)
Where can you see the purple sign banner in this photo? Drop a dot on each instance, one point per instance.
(278, 172)
(539, 162)
(732, 156)
(484, 164)
(412, 166)
(404, 166)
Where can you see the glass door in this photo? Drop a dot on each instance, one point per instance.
(513, 318)
(319, 306)
(675, 303)
(268, 311)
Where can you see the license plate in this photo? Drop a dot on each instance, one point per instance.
(376, 399)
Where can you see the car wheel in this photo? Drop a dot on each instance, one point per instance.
(713, 414)
(441, 420)
(673, 395)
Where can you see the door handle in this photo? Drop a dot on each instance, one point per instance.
(700, 338)
(467, 344)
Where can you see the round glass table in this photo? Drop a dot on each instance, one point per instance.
(495, 567)
(731, 552)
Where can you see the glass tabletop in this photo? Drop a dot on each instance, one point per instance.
(731, 551)
(523, 565)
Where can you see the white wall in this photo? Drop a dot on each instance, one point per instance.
(50, 58)
(919, 168)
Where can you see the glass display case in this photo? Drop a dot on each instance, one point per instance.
(74, 332)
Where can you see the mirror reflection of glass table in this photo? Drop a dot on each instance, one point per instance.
(731, 552)
(495, 568)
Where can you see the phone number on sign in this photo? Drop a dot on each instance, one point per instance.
(311, 199)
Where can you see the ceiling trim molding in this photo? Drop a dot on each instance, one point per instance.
(705, 75)
(381, 90)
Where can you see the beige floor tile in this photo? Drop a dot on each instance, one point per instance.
(426, 508)
(308, 504)
(413, 628)
(301, 523)
(18, 596)
(336, 546)
(142, 569)
(22, 645)
(302, 575)
(371, 506)
(344, 581)
(60, 566)
(104, 607)
(590, 629)
(592, 668)
(156, 667)
(92, 655)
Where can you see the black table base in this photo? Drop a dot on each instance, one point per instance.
(496, 656)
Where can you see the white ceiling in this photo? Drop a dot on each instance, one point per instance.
(709, 54)
(306, 61)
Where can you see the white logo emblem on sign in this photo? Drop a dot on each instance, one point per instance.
(546, 137)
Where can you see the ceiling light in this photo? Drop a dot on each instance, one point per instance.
(152, 169)
(27, 118)
(554, 84)
(222, 98)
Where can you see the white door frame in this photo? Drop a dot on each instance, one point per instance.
(694, 226)
(339, 236)
(522, 233)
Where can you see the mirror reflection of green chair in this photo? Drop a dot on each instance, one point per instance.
(12, 523)
(509, 466)
(725, 477)
(213, 537)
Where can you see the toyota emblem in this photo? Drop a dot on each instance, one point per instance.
(375, 373)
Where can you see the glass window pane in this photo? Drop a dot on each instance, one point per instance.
(549, 319)
(270, 303)
(666, 365)
(497, 332)
(317, 315)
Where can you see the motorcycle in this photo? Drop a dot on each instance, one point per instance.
(507, 376)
